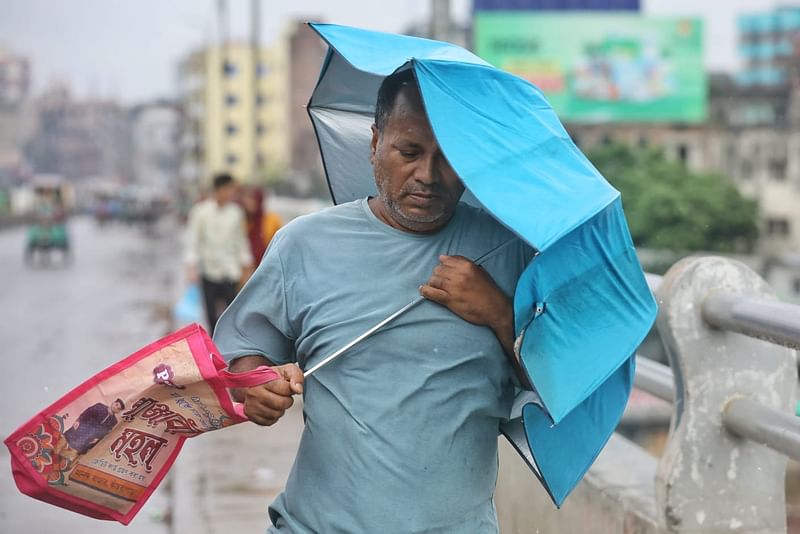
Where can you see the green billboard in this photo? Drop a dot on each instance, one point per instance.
(602, 67)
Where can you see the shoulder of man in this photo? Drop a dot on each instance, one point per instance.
(202, 206)
(95, 408)
(325, 220)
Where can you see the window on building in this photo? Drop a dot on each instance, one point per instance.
(260, 159)
(232, 159)
(682, 151)
(229, 69)
(260, 99)
(777, 169)
(260, 129)
(796, 285)
(778, 227)
(231, 100)
(231, 129)
(746, 170)
(642, 141)
(262, 70)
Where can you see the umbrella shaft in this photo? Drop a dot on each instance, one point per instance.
(392, 317)
(365, 335)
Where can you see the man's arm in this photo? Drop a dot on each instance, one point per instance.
(467, 290)
(258, 323)
(267, 403)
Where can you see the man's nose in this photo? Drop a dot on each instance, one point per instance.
(428, 171)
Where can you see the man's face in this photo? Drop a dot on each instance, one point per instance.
(226, 193)
(416, 185)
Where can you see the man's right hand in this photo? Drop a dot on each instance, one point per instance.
(267, 403)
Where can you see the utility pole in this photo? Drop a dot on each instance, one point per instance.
(440, 20)
(255, 54)
(222, 72)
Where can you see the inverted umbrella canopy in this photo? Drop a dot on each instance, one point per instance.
(582, 306)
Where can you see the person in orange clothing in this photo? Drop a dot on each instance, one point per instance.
(261, 224)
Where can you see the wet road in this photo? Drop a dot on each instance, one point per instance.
(62, 324)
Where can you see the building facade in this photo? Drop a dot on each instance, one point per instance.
(15, 116)
(752, 136)
(155, 139)
(769, 47)
(234, 117)
(15, 78)
(752, 132)
(305, 54)
(80, 138)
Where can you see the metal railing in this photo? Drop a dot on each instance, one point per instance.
(743, 416)
(731, 394)
(769, 320)
(752, 420)
(732, 384)
(654, 378)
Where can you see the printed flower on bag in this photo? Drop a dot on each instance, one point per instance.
(55, 424)
(29, 446)
(40, 446)
(56, 475)
(43, 461)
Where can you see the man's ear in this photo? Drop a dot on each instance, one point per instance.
(374, 143)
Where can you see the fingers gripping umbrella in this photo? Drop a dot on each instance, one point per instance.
(582, 306)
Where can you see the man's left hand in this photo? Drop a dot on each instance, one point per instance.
(467, 290)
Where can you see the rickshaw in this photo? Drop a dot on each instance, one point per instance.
(48, 229)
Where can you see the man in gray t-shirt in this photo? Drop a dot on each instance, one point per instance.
(400, 433)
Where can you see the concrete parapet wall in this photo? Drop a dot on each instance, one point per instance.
(617, 496)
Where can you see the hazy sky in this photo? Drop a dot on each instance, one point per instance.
(129, 48)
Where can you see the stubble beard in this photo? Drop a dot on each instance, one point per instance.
(414, 222)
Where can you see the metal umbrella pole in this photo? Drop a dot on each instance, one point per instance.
(390, 318)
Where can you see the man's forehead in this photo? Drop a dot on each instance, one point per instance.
(412, 129)
(408, 100)
(409, 116)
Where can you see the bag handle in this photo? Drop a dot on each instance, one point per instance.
(248, 379)
(256, 377)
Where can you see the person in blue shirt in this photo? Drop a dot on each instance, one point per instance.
(401, 432)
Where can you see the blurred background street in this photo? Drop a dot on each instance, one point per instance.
(62, 324)
(116, 116)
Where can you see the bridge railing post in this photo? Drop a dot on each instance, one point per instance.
(708, 479)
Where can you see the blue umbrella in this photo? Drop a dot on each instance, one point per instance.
(582, 306)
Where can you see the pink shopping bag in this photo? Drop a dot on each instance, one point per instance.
(103, 448)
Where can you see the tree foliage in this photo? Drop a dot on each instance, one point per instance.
(669, 207)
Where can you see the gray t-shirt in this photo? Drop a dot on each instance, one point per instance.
(401, 432)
